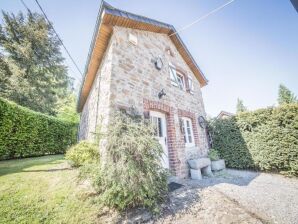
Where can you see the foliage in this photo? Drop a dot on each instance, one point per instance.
(31, 65)
(213, 155)
(285, 96)
(66, 108)
(25, 133)
(240, 106)
(44, 190)
(266, 139)
(131, 173)
(83, 153)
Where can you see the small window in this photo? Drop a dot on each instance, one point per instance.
(190, 84)
(177, 79)
(188, 132)
(181, 82)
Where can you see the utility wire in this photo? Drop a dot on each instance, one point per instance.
(203, 17)
(73, 61)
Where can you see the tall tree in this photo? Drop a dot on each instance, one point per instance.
(240, 106)
(36, 76)
(66, 108)
(285, 96)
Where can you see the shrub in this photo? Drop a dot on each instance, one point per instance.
(266, 139)
(131, 173)
(25, 133)
(213, 155)
(83, 153)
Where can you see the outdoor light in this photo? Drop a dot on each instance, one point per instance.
(161, 94)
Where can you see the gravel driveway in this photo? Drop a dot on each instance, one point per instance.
(234, 196)
(231, 196)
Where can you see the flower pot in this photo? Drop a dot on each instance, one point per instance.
(218, 165)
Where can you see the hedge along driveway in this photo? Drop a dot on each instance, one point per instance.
(25, 133)
(266, 139)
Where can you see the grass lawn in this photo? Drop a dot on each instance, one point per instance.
(43, 190)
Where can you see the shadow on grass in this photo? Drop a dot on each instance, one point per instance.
(22, 165)
(46, 170)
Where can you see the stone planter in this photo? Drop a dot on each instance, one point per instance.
(218, 165)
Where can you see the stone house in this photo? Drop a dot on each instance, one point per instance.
(135, 62)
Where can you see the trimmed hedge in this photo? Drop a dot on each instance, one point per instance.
(25, 133)
(266, 139)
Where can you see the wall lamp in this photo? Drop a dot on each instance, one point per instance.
(161, 94)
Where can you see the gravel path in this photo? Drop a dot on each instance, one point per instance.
(270, 197)
(231, 196)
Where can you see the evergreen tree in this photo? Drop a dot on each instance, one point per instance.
(66, 108)
(285, 96)
(240, 106)
(32, 64)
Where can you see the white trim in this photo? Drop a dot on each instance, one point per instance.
(162, 139)
(190, 84)
(188, 132)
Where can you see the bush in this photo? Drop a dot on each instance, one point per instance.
(213, 155)
(25, 133)
(131, 173)
(266, 139)
(83, 153)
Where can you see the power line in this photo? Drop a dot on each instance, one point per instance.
(203, 17)
(73, 61)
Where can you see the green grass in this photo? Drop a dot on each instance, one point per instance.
(44, 190)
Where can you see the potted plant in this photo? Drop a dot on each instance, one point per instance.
(216, 163)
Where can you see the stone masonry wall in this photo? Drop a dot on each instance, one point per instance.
(136, 82)
(98, 104)
(127, 77)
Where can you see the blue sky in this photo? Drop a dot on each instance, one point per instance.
(245, 50)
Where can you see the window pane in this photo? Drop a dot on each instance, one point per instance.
(180, 81)
(154, 123)
(160, 134)
(189, 139)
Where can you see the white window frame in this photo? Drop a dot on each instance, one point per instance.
(190, 85)
(177, 79)
(181, 80)
(188, 132)
(173, 75)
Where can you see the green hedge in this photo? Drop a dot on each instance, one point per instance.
(266, 139)
(25, 133)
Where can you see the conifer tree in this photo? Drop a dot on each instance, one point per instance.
(32, 70)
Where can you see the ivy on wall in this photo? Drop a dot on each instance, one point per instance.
(266, 139)
(25, 133)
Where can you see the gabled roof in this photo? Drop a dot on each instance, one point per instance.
(224, 113)
(108, 17)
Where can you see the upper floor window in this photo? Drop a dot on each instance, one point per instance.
(180, 80)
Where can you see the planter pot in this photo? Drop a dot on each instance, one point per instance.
(218, 165)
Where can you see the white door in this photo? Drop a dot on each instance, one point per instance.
(159, 122)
